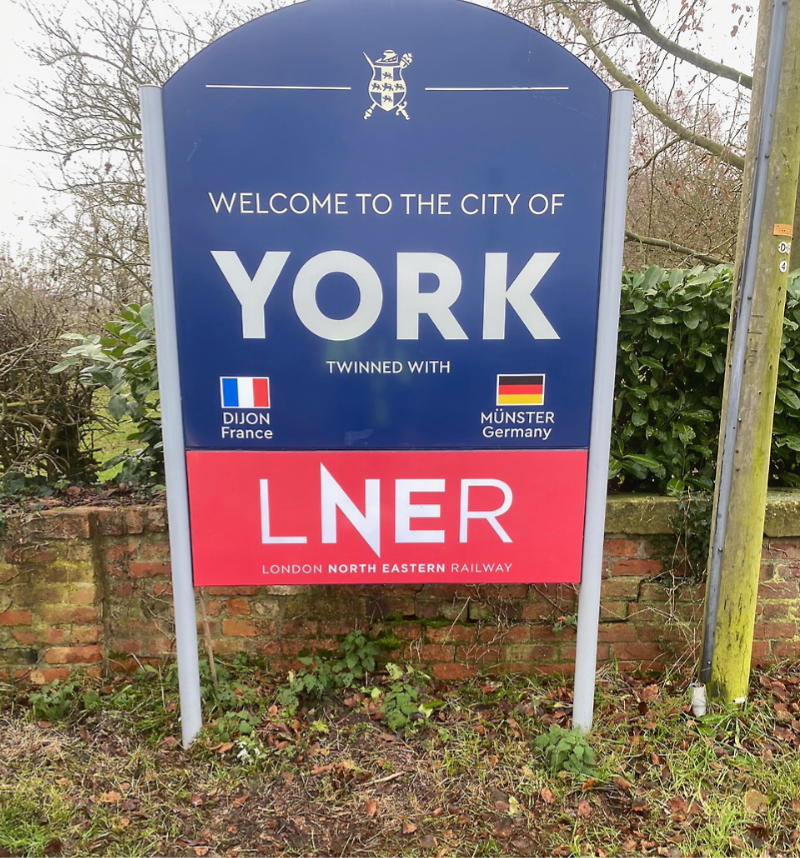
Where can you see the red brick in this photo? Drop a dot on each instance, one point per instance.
(791, 570)
(300, 646)
(157, 647)
(533, 652)
(239, 628)
(620, 632)
(68, 614)
(158, 550)
(642, 568)
(65, 523)
(122, 589)
(653, 593)
(129, 647)
(134, 520)
(15, 618)
(510, 634)
(450, 634)
(615, 547)
(25, 637)
(87, 634)
(111, 522)
(45, 675)
(537, 612)
(74, 655)
(302, 627)
(55, 636)
(774, 610)
(507, 591)
(164, 590)
(781, 549)
(761, 650)
(481, 654)
(229, 646)
(545, 632)
(453, 672)
(431, 652)
(620, 588)
(779, 590)
(644, 652)
(269, 648)
(120, 551)
(238, 607)
(149, 568)
(566, 668)
(766, 572)
(613, 611)
(231, 591)
(83, 595)
(41, 556)
(692, 593)
(775, 631)
(334, 627)
(407, 631)
(785, 649)
(39, 595)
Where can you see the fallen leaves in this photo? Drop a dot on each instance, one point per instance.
(755, 801)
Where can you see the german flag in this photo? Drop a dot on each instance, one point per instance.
(520, 389)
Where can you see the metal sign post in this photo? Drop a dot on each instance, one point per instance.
(180, 546)
(619, 141)
(386, 243)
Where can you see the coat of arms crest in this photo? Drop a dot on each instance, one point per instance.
(387, 89)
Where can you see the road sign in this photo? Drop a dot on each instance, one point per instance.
(386, 296)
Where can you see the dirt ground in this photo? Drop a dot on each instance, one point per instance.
(104, 774)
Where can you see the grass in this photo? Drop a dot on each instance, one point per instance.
(333, 780)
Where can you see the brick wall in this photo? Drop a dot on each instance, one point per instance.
(90, 588)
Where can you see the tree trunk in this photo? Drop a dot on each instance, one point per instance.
(726, 665)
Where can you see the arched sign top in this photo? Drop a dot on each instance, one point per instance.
(389, 233)
(384, 148)
(316, 35)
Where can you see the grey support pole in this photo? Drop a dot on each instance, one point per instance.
(155, 167)
(619, 141)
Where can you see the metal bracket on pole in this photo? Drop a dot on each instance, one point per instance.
(155, 166)
(619, 140)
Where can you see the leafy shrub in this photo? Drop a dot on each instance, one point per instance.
(45, 421)
(566, 751)
(123, 361)
(56, 700)
(324, 674)
(670, 373)
(401, 701)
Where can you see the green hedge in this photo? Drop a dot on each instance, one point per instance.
(670, 370)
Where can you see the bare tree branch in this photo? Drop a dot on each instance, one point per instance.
(640, 20)
(634, 171)
(675, 248)
(712, 146)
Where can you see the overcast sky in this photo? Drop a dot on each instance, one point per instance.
(22, 202)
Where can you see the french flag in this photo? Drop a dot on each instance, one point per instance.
(244, 392)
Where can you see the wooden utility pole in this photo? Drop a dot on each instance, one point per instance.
(771, 175)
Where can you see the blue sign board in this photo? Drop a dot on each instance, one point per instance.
(386, 225)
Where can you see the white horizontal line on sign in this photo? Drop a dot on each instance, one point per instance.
(493, 88)
(254, 86)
